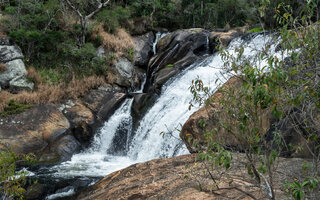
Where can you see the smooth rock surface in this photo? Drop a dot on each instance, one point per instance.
(143, 49)
(34, 130)
(103, 103)
(82, 120)
(179, 178)
(176, 51)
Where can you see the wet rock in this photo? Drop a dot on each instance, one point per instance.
(34, 192)
(141, 104)
(34, 130)
(174, 178)
(143, 49)
(65, 147)
(103, 103)
(82, 121)
(224, 37)
(176, 50)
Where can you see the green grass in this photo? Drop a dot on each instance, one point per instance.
(14, 108)
(52, 76)
(255, 30)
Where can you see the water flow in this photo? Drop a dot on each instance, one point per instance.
(158, 37)
(167, 115)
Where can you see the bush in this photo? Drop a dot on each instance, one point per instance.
(12, 181)
(288, 92)
(14, 107)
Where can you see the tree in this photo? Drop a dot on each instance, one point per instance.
(84, 10)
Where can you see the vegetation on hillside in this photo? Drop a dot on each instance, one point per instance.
(59, 39)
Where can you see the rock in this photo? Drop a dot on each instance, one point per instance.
(292, 134)
(103, 103)
(125, 68)
(130, 76)
(101, 51)
(192, 130)
(224, 37)
(6, 42)
(14, 78)
(180, 178)
(10, 53)
(176, 50)
(34, 130)
(143, 49)
(141, 104)
(82, 121)
(34, 192)
(63, 148)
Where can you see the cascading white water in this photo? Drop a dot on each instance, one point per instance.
(169, 112)
(158, 37)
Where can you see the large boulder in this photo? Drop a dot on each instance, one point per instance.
(14, 77)
(175, 52)
(82, 120)
(86, 115)
(103, 103)
(127, 75)
(181, 177)
(224, 37)
(293, 132)
(193, 131)
(34, 130)
(143, 49)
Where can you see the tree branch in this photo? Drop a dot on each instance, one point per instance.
(74, 8)
(100, 6)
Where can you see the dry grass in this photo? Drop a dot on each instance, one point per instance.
(53, 93)
(34, 76)
(119, 43)
(3, 67)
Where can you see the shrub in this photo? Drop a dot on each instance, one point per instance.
(12, 181)
(288, 92)
(14, 107)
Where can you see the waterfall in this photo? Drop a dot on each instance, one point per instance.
(158, 37)
(167, 115)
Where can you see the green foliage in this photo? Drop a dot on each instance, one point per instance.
(288, 91)
(14, 108)
(90, 62)
(12, 181)
(255, 30)
(113, 18)
(39, 29)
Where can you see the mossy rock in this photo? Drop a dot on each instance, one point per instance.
(14, 107)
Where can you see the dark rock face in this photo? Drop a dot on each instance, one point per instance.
(103, 103)
(176, 51)
(34, 192)
(143, 49)
(54, 133)
(166, 179)
(33, 130)
(141, 104)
